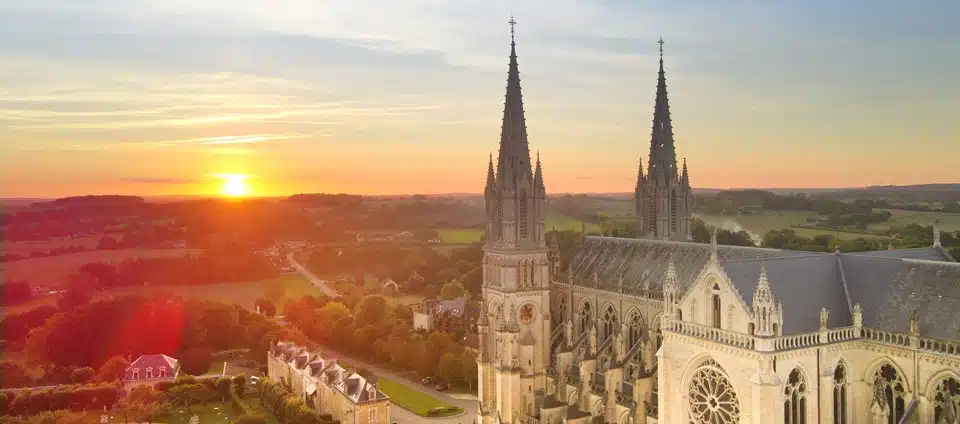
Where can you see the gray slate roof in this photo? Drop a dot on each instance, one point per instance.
(643, 261)
(802, 284)
(888, 289)
(886, 284)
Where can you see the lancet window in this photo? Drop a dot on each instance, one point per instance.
(795, 399)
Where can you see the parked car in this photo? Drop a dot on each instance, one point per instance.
(426, 381)
(441, 387)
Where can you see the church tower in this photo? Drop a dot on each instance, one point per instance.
(663, 196)
(515, 323)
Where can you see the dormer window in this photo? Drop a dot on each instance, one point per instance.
(163, 372)
(149, 373)
(136, 374)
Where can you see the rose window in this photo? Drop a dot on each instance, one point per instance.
(712, 399)
(526, 314)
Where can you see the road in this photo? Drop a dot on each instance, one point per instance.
(317, 282)
(402, 416)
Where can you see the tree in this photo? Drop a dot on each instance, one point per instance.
(452, 290)
(189, 394)
(333, 312)
(82, 375)
(113, 369)
(240, 383)
(449, 367)
(468, 365)
(13, 374)
(371, 310)
(223, 388)
(196, 361)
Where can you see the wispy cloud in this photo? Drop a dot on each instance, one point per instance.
(161, 180)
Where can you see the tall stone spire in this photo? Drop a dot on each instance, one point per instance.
(518, 215)
(663, 197)
(514, 160)
(663, 156)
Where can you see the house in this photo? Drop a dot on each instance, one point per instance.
(151, 369)
(326, 386)
(445, 315)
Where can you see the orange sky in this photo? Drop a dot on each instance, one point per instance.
(805, 95)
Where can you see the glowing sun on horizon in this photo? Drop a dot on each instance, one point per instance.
(234, 185)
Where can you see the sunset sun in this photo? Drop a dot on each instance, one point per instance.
(234, 185)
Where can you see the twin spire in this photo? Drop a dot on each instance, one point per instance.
(513, 162)
(663, 156)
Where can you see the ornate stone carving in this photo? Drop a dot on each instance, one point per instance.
(711, 397)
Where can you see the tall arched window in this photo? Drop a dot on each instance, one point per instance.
(795, 399)
(586, 317)
(673, 211)
(693, 311)
(609, 323)
(840, 394)
(522, 217)
(561, 314)
(946, 400)
(716, 306)
(890, 391)
(636, 328)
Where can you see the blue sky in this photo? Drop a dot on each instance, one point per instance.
(156, 96)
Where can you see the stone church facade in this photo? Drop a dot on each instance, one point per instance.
(658, 329)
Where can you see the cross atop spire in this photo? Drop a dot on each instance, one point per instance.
(661, 48)
(513, 24)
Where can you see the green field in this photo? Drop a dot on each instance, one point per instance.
(554, 221)
(568, 223)
(460, 235)
(53, 271)
(758, 225)
(948, 221)
(241, 293)
(417, 402)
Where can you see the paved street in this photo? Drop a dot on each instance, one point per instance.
(320, 284)
(402, 416)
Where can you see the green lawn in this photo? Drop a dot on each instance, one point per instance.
(215, 412)
(460, 235)
(417, 402)
(240, 293)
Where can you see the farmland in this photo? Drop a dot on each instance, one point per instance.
(460, 235)
(758, 225)
(53, 271)
(27, 247)
(948, 221)
(554, 221)
(239, 293)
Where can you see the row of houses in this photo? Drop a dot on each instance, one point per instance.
(327, 386)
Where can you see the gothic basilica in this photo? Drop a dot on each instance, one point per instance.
(658, 329)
